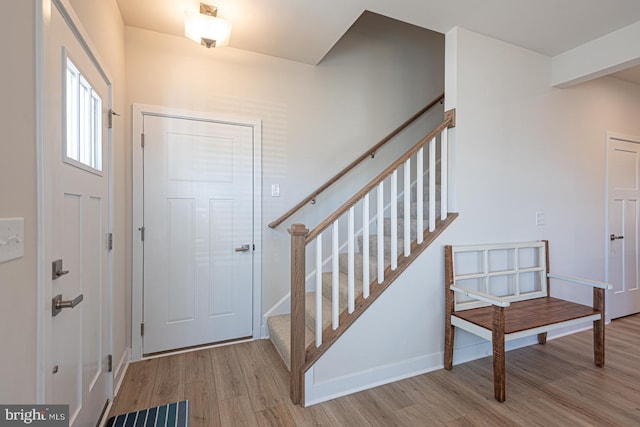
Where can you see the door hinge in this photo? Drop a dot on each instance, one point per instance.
(110, 363)
(142, 140)
(110, 241)
(110, 118)
(142, 329)
(141, 233)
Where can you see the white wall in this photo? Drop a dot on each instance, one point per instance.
(18, 281)
(18, 199)
(520, 146)
(316, 119)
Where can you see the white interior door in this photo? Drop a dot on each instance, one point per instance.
(77, 216)
(198, 232)
(623, 171)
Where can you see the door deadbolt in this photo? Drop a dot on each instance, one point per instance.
(56, 269)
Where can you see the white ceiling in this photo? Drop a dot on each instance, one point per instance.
(305, 30)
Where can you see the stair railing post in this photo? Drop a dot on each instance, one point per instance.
(298, 234)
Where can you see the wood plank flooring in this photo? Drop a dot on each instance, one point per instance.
(552, 385)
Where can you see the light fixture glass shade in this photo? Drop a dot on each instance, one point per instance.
(199, 27)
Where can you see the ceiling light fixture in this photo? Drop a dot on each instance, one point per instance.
(206, 28)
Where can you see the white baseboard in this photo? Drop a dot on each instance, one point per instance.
(363, 380)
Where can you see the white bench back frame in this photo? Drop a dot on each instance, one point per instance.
(520, 268)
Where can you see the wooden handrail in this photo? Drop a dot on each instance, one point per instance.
(449, 121)
(356, 162)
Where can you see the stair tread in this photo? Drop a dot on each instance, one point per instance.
(280, 335)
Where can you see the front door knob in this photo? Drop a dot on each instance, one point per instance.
(57, 304)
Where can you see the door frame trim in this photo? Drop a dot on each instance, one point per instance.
(137, 269)
(610, 136)
(44, 200)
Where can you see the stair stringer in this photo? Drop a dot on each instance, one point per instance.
(354, 360)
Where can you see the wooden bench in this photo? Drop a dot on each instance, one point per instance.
(501, 292)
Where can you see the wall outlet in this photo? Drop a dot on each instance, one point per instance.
(11, 239)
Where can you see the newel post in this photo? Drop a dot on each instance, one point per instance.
(298, 234)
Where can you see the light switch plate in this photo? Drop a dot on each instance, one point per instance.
(11, 238)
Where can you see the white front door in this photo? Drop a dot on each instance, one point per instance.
(198, 232)
(76, 214)
(623, 171)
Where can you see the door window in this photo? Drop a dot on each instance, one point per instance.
(83, 123)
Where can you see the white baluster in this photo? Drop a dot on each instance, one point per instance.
(365, 246)
(444, 172)
(420, 194)
(319, 290)
(381, 232)
(351, 260)
(407, 207)
(432, 185)
(335, 282)
(394, 220)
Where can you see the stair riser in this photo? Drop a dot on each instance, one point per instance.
(327, 288)
(310, 311)
(358, 266)
(400, 227)
(425, 192)
(414, 209)
(373, 245)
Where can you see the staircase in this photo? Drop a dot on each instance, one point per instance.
(280, 326)
(359, 250)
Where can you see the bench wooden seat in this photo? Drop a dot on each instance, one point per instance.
(502, 292)
(529, 314)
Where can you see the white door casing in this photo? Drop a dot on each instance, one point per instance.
(190, 285)
(76, 214)
(623, 213)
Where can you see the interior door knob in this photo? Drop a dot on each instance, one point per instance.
(243, 248)
(614, 237)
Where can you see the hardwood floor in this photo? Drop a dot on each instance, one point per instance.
(553, 385)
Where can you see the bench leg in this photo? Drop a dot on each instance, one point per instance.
(598, 343)
(542, 338)
(449, 334)
(598, 328)
(498, 354)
